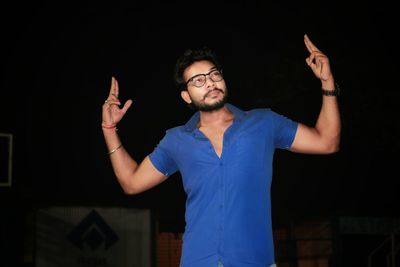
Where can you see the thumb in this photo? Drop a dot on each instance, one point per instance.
(127, 105)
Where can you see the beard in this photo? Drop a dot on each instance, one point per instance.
(201, 106)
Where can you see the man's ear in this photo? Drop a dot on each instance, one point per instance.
(185, 95)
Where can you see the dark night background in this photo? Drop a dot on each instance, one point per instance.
(57, 63)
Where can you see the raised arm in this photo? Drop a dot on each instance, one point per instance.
(324, 137)
(133, 177)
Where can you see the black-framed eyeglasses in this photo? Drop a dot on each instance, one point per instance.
(200, 79)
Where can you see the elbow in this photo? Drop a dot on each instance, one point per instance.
(333, 149)
(129, 190)
(333, 146)
(128, 186)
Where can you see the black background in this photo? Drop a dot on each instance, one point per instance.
(57, 63)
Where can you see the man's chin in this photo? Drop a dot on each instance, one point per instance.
(212, 107)
(210, 104)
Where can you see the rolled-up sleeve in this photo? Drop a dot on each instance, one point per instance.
(162, 156)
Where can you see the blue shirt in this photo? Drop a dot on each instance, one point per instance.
(228, 207)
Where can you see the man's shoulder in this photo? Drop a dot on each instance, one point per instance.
(171, 135)
(264, 114)
(175, 130)
(259, 112)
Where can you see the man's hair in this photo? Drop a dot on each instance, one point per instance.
(189, 57)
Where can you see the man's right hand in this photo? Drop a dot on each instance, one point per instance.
(112, 113)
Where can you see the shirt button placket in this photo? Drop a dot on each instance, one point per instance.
(221, 204)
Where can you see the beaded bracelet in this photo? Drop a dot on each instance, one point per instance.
(108, 126)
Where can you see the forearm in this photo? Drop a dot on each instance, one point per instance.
(324, 137)
(328, 123)
(123, 164)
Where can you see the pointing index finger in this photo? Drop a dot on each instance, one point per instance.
(114, 87)
(310, 46)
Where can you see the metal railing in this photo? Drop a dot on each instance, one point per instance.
(390, 252)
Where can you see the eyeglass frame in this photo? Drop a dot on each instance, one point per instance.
(205, 75)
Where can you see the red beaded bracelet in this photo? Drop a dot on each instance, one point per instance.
(108, 126)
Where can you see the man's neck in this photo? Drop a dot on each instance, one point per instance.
(215, 118)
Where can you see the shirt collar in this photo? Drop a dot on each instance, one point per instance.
(190, 126)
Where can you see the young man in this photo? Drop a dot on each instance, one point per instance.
(225, 158)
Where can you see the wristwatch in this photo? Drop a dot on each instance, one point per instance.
(334, 92)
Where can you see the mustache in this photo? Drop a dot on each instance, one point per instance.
(213, 90)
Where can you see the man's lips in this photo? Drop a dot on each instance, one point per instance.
(213, 92)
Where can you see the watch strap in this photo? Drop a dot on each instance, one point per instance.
(334, 92)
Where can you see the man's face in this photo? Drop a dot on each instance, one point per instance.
(206, 88)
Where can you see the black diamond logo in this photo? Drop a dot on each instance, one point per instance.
(94, 232)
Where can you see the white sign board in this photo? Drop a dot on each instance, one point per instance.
(93, 237)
